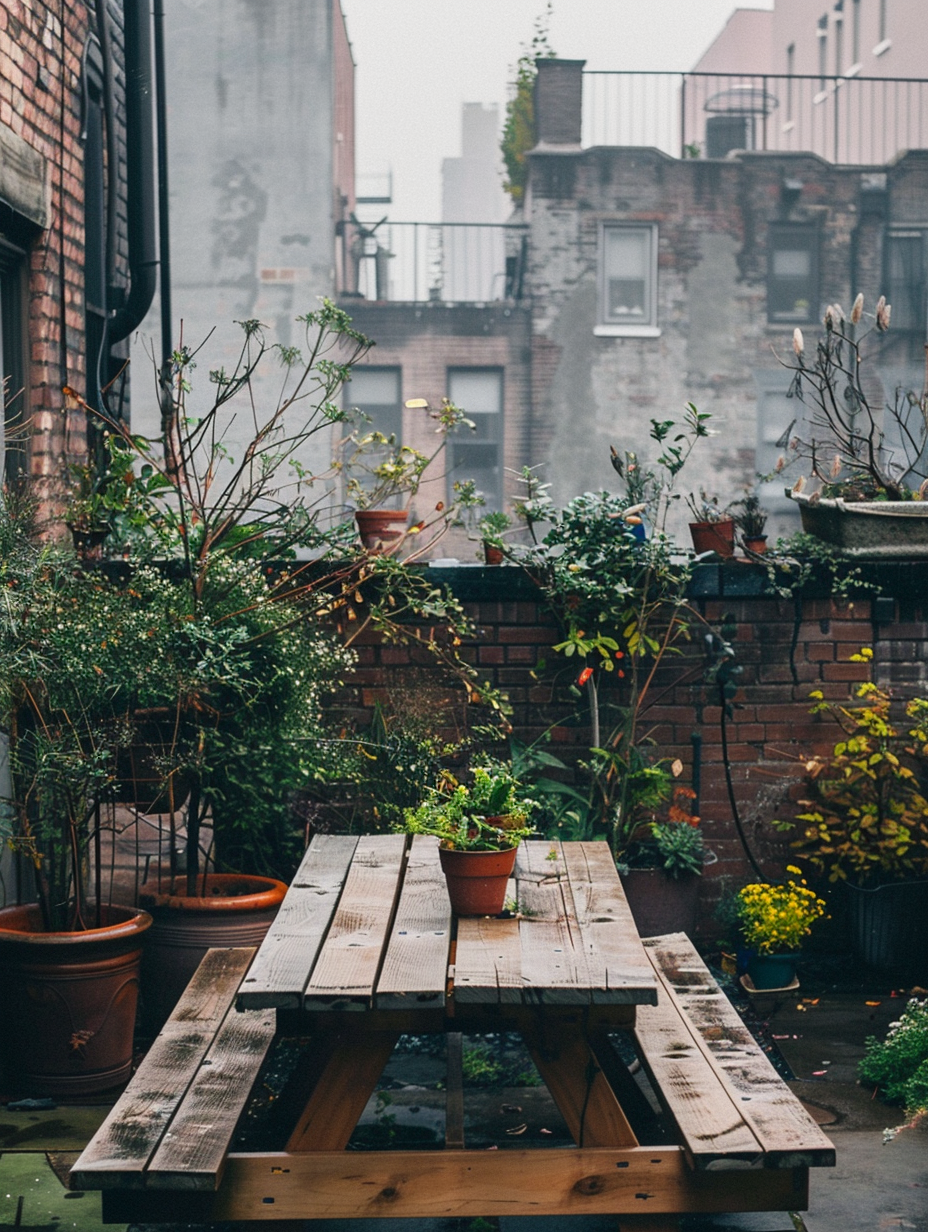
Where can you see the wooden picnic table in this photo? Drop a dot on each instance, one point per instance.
(365, 949)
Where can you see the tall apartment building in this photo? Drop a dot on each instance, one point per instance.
(260, 103)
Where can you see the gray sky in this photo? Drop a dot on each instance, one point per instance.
(419, 60)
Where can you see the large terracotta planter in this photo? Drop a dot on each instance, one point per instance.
(866, 529)
(69, 1001)
(477, 880)
(661, 904)
(380, 528)
(236, 910)
(718, 537)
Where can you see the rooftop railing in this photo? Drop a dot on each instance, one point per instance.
(419, 262)
(847, 120)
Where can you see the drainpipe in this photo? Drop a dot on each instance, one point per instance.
(140, 173)
(164, 233)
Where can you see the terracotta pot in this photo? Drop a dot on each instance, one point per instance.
(661, 904)
(380, 528)
(477, 880)
(236, 910)
(718, 537)
(492, 554)
(69, 1001)
(772, 970)
(757, 544)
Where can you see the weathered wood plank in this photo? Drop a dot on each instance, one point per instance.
(193, 1151)
(618, 966)
(571, 1072)
(349, 961)
(710, 1124)
(415, 969)
(488, 962)
(787, 1134)
(283, 964)
(554, 970)
(119, 1152)
(352, 1064)
(467, 1184)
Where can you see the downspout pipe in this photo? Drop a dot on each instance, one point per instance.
(140, 173)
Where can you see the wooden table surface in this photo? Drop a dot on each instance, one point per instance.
(367, 926)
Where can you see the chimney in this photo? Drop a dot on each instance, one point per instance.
(558, 104)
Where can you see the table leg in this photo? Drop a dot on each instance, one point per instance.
(568, 1064)
(352, 1062)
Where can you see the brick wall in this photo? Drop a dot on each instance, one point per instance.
(784, 650)
(41, 49)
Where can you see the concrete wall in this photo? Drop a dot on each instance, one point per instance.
(744, 45)
(251, 116)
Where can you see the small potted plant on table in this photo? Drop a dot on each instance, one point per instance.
(775, 921)
(479, 826)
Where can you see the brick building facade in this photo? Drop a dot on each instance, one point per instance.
(63, 231)
(717, 260)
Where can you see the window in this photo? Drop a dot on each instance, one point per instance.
(628, 278)
(792, 274)
(839, 44)
(790, 71)
(883, 24)
(377, 394)
(905, 280)
(477, 454)
(855, 31)
(12, 358)
(822, 33)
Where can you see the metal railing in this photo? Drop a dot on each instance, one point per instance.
(417, 262)
(846, 120)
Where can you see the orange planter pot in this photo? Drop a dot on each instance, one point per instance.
(477, 880)
(380, 528)
(69, 1001)
(236, 910)
(718, 537)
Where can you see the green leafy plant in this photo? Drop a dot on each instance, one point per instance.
(776, 919)
(898, 1065)
(487, 814)
(519, 125)
(620, 602)
(493, 526)
(750, 516)
(866, 816)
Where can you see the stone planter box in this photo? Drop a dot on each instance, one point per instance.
(867, 530)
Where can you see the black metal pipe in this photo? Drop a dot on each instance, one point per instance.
(140, 172)
(164, 229)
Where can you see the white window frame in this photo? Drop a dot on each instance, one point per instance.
(612, 327)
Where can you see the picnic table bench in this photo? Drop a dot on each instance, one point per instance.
(364, 949)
